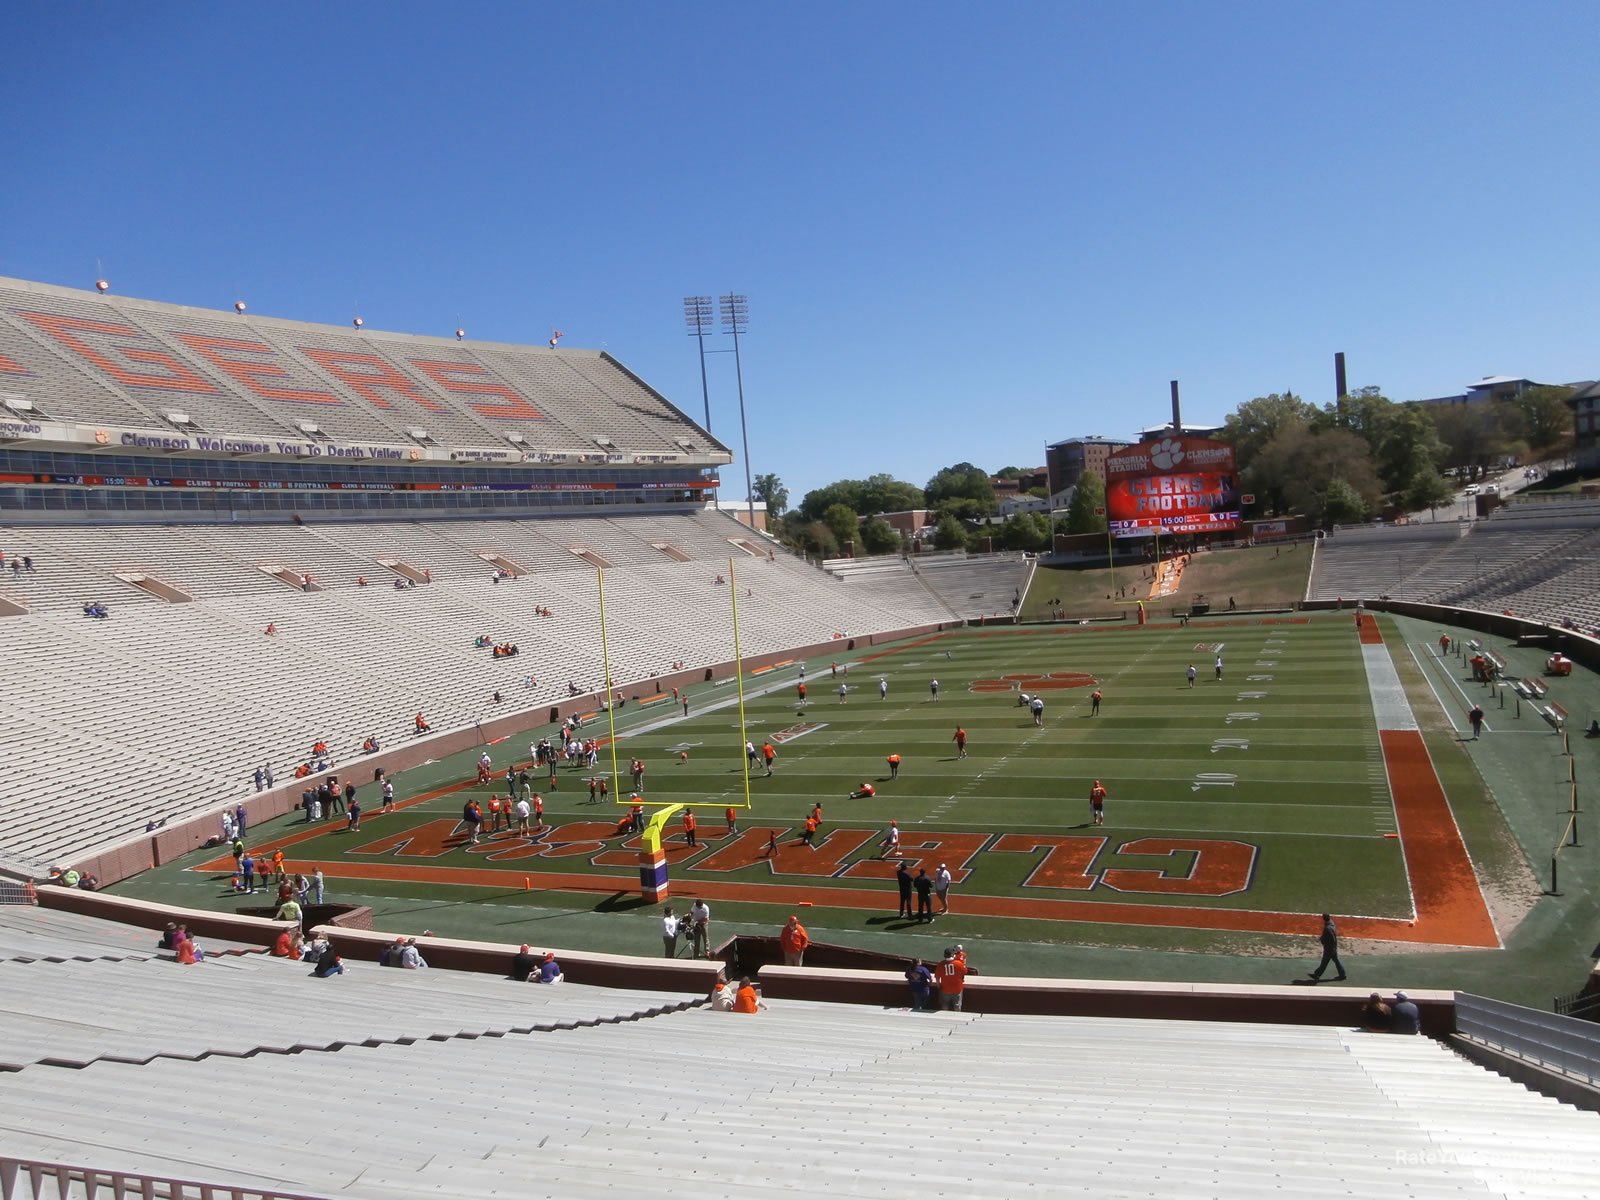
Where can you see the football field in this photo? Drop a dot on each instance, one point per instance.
(1297, 782)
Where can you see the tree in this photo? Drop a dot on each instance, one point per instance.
(1089, 495)
(845, 525)
(1025, 531)
(1426, 489)
(949, 535)
(1342, 504)
(880, 537)
(1410, 446)
(1009, 473)
(1544, 416)
(845, 491)
(961, 482)
(1256, 422)
(1471, 433)
(769, 490)
(885, 493)
(1298, 467)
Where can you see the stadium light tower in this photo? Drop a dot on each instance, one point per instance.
(736, 320)
(697, 316)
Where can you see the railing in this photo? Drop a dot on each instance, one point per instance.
(17, 891)
(1577, 1004)
(1561, 1043)
(26, 1179)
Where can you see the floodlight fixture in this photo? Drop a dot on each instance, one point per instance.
(697, 316)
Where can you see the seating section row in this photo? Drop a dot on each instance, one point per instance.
(434, 1090)
(1535, 559)
(97, 359)
(171, 707)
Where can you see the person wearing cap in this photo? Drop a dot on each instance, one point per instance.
(700, 929)
(1407, 1016)
(391, 955)
(721, 995)
(549, 970)
(941, 887)
(1097, 804)
(794, 939)
(411, 958)
(523, 964)
(1330, 950)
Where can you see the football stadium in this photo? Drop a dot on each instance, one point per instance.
(440, 653)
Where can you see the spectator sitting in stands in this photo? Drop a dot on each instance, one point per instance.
(170, 937)
(422, 725)
(288, 945)
(523, 965)
(361, 581)
(549, 970)
(319, 748)
(313, 950)
(329, 964)
(369, 746)
(399, 585)
(1376, 1016)
(97, 610)
(390, 955)
(495, 699)
(411, 958)
(189, 952)
(272, 628)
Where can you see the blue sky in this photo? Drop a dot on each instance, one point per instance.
(965, 231)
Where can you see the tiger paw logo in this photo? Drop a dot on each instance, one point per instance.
(1167, 454)
(1054, 681)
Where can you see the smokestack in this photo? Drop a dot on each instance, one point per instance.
(1177, 415)
(1339, 389)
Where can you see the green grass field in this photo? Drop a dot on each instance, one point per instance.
(1261, 792)
(1264, 793)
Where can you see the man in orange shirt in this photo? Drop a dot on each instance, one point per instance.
(733, 821)
(952, 976)
(1097, 804)
(809, 836)
(768, 753)
(894, 766)
(689, 834)
(746, 1000)
(794, 939)
(961, 742)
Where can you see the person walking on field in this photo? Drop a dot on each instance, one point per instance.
(1036, 707)
(933, 687)
(1476, 718)
(941, 887)
(767, 755)
(1191, 674)
(794, 939)
(1219, 667)
(1097, 804)
(1330, 950)
(1094, 703)
(960, 740)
